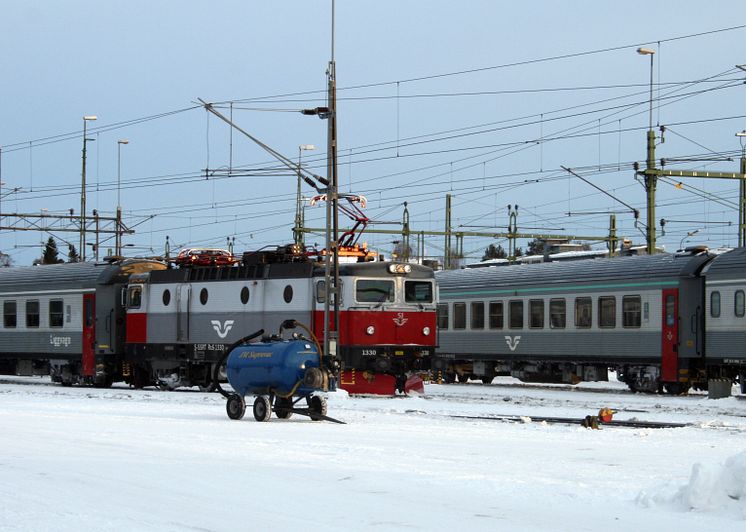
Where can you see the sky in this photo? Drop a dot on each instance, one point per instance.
(482, 100)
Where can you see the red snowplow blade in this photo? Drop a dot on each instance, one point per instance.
(364, 382)
(414, 384)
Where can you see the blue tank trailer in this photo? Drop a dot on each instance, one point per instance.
(280, 373)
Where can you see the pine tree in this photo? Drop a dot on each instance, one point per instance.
(50, 254)
(72, 254)
(494, 252)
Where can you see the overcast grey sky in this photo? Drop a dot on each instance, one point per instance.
(411, 133)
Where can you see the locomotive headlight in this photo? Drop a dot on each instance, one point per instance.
(426, 331)
(400, 268)
(370, 330)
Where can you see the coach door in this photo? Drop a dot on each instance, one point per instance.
(89, 334)
(183, 293)
(670, 336)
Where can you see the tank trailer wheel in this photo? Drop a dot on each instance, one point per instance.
(262, 408)
(236, 406)
(283, 406)
(317, 405)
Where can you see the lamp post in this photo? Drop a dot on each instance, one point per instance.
(118, 235)
(688, 235)
(298, 209)
(651, 179)
(86, 119)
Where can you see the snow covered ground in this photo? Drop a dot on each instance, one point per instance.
(124, 459)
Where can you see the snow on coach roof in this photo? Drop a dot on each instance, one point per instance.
(635, 267)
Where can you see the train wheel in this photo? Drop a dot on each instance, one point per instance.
(262, 408)
(449, 378)
(317, 405)
(283, 406)
(236, 406)
(463, 377)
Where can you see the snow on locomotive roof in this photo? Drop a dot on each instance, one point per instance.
(635, 267)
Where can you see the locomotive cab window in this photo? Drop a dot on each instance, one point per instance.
(134, 296)
(418, 291)
(739, 303)
(557, 313)
(442, 316)
(715, 304)
(32, 313)
(459, 315)
(607, 312)
(515, 318)
(477, 315)
(631, 306)
(56, 313)
(9, 314)
(374, 291)
(496, 315)
(583, 312)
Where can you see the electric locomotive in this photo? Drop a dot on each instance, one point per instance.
(180, 320)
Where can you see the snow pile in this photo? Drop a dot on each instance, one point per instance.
(710, 489)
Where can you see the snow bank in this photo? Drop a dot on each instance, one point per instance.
(720, 489)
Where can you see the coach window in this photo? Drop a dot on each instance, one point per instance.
(32, 313)
(557, 313)
(496, 314)
(56, 313)
(418, 291)
(739, 303)
(134, 297)
(536, 313)
(166, 297)
(442, 316)
(9, 314)
(374, 291)
(583, 312)
(715, 304)
(515, 319)
(459, 315)
(607, 312)
(477, 315)
(631, 311)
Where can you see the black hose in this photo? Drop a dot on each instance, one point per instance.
(216, 372)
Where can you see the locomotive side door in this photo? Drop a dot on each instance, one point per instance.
(670, 336)
(89, 334)
(183, 294)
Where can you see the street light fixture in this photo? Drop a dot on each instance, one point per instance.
(298, 208)
(688, 235)
(86, 119)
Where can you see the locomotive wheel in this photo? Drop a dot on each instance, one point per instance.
(262, 408)
(207, 388)
(283, 406)
(236, 406)
(317, 405)
(463, 377)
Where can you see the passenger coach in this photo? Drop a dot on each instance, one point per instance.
(641, 316)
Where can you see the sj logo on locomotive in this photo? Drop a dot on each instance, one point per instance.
(400, 319)
(222, 328)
